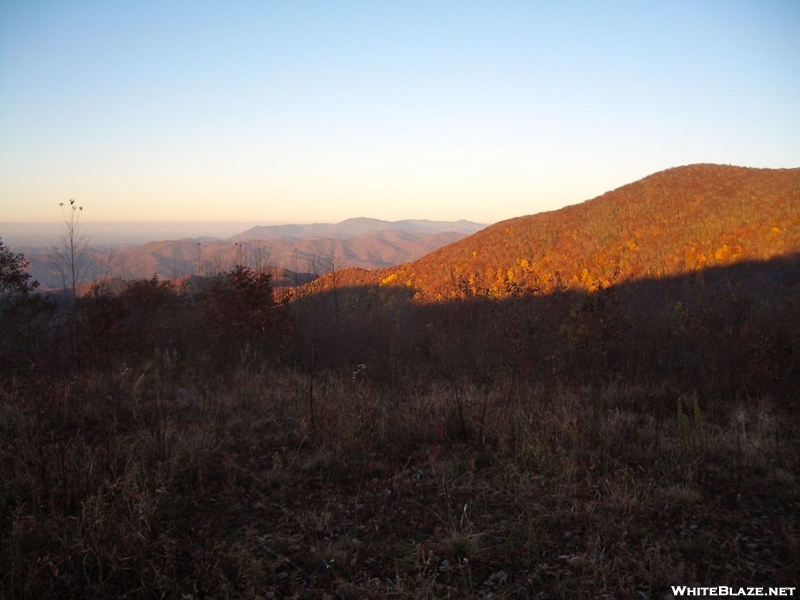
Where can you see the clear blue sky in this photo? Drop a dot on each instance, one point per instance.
(319, 111)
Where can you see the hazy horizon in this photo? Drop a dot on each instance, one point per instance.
(110, 233)
(44, 234)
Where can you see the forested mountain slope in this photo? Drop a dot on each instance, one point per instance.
(675, 221)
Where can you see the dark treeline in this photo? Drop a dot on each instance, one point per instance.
(723, 332)
(215, 323)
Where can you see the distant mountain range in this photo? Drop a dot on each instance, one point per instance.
(676, 221)
(295, 253)
(355, 228)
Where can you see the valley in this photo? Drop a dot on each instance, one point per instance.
(294, 253)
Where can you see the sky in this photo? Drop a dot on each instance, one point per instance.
(295, 112)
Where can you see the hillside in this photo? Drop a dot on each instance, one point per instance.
(307, 250)
(675, 221)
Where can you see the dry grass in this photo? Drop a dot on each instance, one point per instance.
(113, 487)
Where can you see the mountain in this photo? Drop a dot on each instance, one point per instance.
(676, 221)
(296, 253)
(354, 228)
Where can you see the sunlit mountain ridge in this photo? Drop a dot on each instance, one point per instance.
(675, 221)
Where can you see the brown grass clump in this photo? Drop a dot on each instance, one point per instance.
(113, 487)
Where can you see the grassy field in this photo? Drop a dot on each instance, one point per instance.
(164, 481)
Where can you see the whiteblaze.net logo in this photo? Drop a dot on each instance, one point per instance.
(724, 590)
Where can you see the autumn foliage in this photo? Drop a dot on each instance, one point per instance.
(689, 275)
(673, 222)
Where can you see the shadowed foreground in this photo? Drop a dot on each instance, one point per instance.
(211, 442)
(113, 486)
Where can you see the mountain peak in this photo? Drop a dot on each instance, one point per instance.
(677, 220)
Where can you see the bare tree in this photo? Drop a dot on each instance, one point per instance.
(122, 269)
(261, 256)
(109, 259)
(72, 263)
(71, 253)
(215, 262)
(240, 260)
(199, 268)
